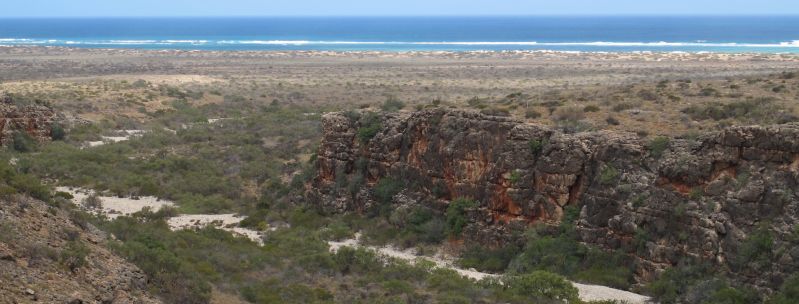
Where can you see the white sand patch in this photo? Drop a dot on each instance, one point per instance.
(113, 207)
(227, 222)
(586, 292)
(122, 135)
(604, 293)
(215, 120)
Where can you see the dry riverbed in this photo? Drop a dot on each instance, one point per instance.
(587, 292)
(113, 207)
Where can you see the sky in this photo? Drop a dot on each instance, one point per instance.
(162, 8)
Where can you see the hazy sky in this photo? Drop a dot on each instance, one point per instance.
(77, 8)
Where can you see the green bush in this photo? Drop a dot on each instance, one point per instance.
(456, 215)
(22, 142)
(608, 175)
(392, 104)
(417, 225)
(487, 259)
(789, 292)
(756, 250)
(658, 145)
(515, 176)
(561, 252)
(536, 146)
(386, 189)
(348, 259)
(30, 185)
(696, 193)
(57, 132)
(675, 282)
(370, 126)
(74, 255)
(542, 284)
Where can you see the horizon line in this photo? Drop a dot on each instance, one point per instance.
(413, 16)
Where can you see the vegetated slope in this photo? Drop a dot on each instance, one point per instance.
(725, 201)
(49, 256)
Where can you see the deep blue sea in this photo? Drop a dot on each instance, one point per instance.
(594, 34)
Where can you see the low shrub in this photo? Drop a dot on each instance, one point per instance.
(591, 108)
(456, 215)
(392, 104)
(370, 126)
(658, 145)
(57, 132)
(762, 110)
(542, 284)
(536, 146)
(74, 255)
(755, 251)
(488, 259)
(647, 95)
(788, 293)
(22, 142)
(568, 114)
(531, 114)
(608, 175)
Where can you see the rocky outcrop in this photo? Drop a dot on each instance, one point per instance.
(37, 247)
(699, 199)
(32, 119)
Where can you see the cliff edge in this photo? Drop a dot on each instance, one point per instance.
(658, 200)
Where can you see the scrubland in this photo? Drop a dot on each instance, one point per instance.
(237, 132)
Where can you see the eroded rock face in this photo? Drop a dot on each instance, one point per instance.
(700, 198)
(35, 120)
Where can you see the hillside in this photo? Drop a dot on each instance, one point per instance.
(48, 256)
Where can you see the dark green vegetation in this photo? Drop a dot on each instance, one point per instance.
(694, 282)
(251, 164)
(658, 146)
(370, 125)
(456, 215)
(557, 250)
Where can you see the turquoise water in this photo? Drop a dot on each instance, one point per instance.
(776, 34)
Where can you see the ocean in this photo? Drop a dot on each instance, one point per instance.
(740, 34)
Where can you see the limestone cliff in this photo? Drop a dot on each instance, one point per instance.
(659, 203)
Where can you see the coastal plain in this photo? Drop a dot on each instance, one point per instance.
(658, 93)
